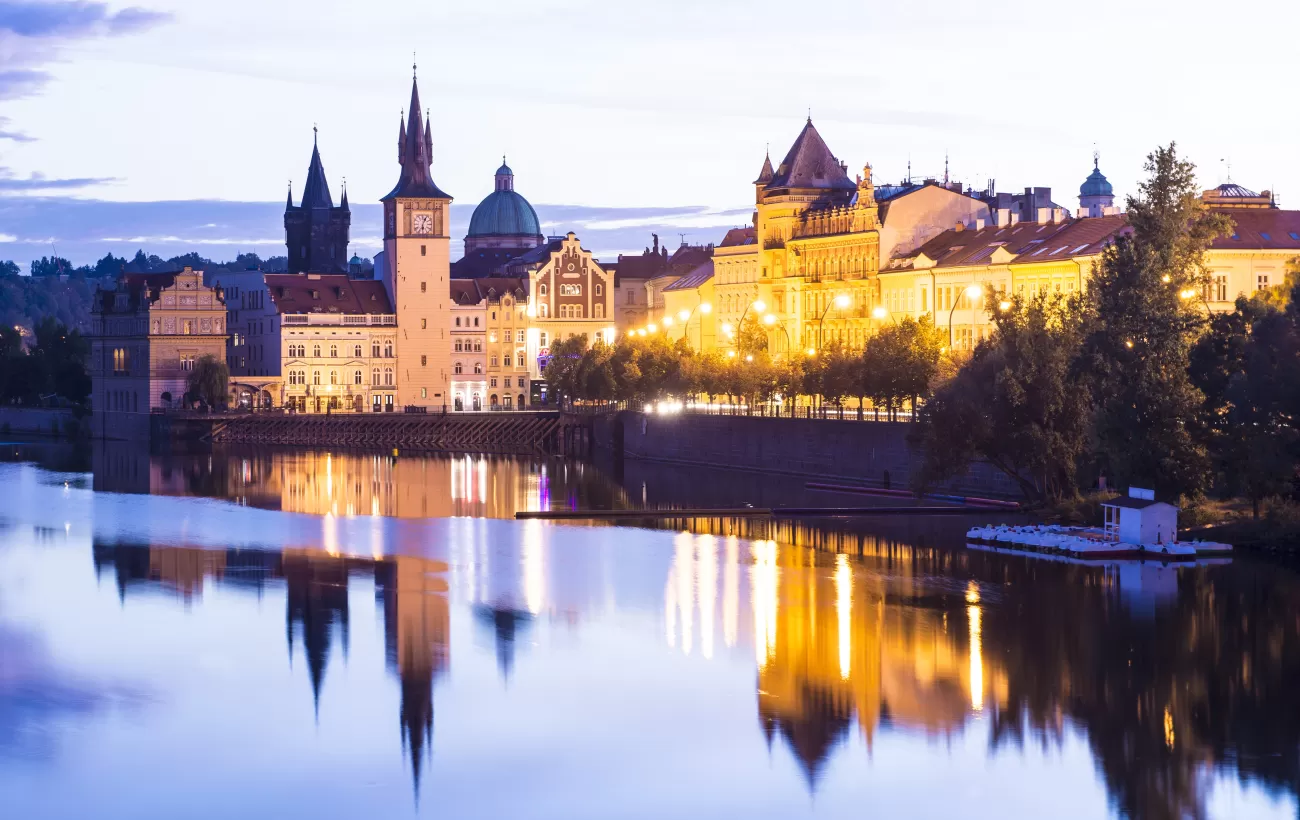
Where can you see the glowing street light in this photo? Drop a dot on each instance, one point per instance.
(812, 351)
(749, 357)
(683, 314)
(759, 305)
(731, 354)
(1128, 343)
(769, 319)
(879, 312)
(652, 327)
(972, 293)
(668, 321)
(728, 329)
(1187, 293)
(842, 301)
(1004, 306)
(706, 308)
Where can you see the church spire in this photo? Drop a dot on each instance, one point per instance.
(416, 154)
(316, 191)
(289, 203)
(401, 139)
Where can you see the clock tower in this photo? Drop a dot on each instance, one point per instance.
(417, 268)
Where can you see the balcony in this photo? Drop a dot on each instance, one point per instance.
(341, 319)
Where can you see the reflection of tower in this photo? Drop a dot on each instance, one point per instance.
(506, 625)
(317, 592)
(417, 624)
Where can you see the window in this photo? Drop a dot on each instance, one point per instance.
(507, 402)
(424, 360)
(460, 347)
(506, 361)
(374, 350)
(478, 345)
(542, 338)
(1266, 237)
(334, 351)
(478, 368)
(424, 286)
(458, 368)
(1294, 235)
(493, 382)
(421, 254)
(457, 321)
(388, 349)
(388, 377)
(356, 351)
(1217, 290)
(543, 311)
(424, 392)
(631, 297)
(542, 289)
(600, 291)
(494, 361)
(315, 377)
(424, 324)
(315, 351)
(475, 321)
(492, 400)
(334, 377)
(187, 361)
(374, 376)
(356, 377)
(1262, 281)
(570, 290)
(598, 311)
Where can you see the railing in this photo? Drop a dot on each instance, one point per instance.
(345, 319)
(773, 409)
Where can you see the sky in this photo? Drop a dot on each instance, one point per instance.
(175, 125)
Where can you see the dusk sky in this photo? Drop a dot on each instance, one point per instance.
(635, 117)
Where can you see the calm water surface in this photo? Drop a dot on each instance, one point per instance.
(285, 634)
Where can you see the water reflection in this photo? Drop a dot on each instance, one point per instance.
(855, 658)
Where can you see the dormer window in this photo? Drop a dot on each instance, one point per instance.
(315, 294)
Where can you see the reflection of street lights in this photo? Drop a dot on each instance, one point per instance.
(970, 293)
(841, 301)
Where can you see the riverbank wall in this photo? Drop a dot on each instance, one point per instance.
(875, 454)
(56, 422)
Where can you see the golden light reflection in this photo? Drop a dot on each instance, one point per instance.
(682, 571)
(764, 578)
(1169, 728)
(973, 614)
(330, 533)
(731, 591)
(707, 551)
(844, 612)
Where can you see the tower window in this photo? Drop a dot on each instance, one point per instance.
(424, 286)
(421, 250)
(424, 324)
(424, 361)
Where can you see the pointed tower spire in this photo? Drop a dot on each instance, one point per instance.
(316, 191)
(765, 175)
(416, 154)
(289, 203)
(344, 203)
(401, 140)
(428, 136)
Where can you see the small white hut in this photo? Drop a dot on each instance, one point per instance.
(1139, 519)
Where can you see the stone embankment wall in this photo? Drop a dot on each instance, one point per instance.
(38, 421)
(860, 452)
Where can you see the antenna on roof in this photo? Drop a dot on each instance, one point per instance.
(909, 169)
(683, 236)
(945, 169)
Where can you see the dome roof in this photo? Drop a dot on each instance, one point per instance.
(1096, 184)
(504, 212)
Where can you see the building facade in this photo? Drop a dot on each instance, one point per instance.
(147, 333)
(417, 269)
(468, 335)
(569, 294)
(505, 301)
(502, 227)
(338, 343)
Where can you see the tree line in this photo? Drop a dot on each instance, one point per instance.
(892, 372)
(51, 370)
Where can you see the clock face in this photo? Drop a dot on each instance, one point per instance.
(422, 223)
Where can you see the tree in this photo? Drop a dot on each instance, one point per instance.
(561, 371)
(833, 374)
(900, 363)
(209, 381)
(751, 338)
(1015, 404)
(1143, 325)
(63, 357)
(10, 268)
(50, 266)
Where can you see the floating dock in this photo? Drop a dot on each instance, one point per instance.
(748, 512)
(1090, 542)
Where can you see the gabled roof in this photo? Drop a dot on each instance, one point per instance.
(326, 293)
(690, 256)
(739, 236)
(474, 291)
(810, 164)
(1262, 228)
(697, 276)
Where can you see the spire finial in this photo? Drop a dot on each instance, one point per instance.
(1096, 158)
(413, 65)
(314, 132)
(810, 115)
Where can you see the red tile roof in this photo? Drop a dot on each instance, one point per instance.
(1026, 241)
(1263, 229)
(739, 236)
(326, 293)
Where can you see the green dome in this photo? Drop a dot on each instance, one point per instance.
(1096, 184)
(504, 212)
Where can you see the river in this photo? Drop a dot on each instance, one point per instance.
(257, 633)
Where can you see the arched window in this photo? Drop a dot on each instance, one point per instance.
(315, 351)
(374, 376)
(334, 377)
(460, 347)
(334, 351)
(492, 400)
(457, 368)
(600, 289)
(478, 345)
(505, 361)
(388, 349)
(374, 349)
(478, 368)
(388, 377)
(542, 289)
(521, 401)
(356, 353)
(315, 377)
(356, 377)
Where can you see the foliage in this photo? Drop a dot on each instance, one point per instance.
(900, 363)
(1142, 328)
(209, 381)
(53, 369)
(1015, 404)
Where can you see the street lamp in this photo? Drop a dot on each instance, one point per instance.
(770, 320)
(685, 315)
(757, 304)
(840, 301)
(972, 292)
(880, 313)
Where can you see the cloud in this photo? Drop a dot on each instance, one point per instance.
(8, 237)
(33, 35)
(40, 182)
(16, 136)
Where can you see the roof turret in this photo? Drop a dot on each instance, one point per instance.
(416, 155)
(765, 175)
(1096, 184)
